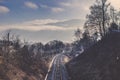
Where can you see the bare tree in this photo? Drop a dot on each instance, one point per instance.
(78, 34)
(11, 42)
(6, 42)
(98, 19)
(16, 41)
(112, 13)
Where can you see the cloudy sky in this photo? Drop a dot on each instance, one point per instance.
(45, 20)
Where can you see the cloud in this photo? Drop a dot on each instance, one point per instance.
(65, 4)
(77, 4)
(71, 4)
(77, 8)
(43, 6)
(36, 25)
(45, 24)
(4, 9)
(36, 28)
(86, 3)
(53, 9)
(31, 5)
(57, 9)
(75, 23)
(41, 21)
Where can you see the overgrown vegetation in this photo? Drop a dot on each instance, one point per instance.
(23, 61)
(102, 19)
(101, 42)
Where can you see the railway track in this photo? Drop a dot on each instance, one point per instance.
(57, 71)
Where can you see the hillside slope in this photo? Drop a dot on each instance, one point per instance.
(100, 62)
(19, 66)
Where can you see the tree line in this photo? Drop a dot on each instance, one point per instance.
(102, 19)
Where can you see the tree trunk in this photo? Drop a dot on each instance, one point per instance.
(100, 29)
(103, 15)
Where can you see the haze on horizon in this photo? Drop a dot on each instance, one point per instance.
(45, 20)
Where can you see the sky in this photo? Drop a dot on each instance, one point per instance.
(45, 20)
